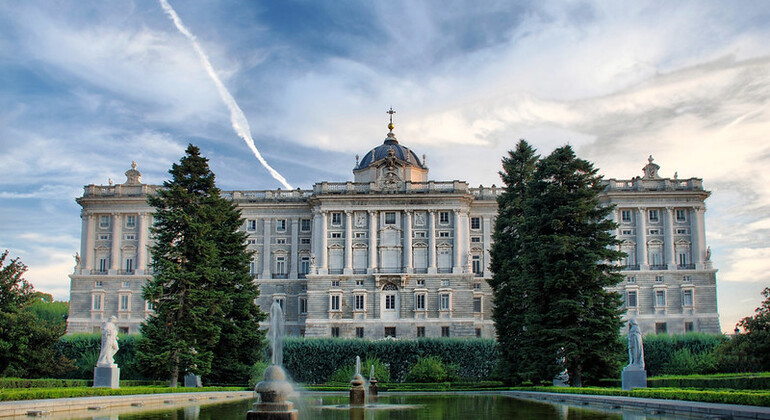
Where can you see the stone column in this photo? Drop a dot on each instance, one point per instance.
(267, 259)
(668, 242)
(323, 265)
(408, 241)
(141, 246)
(457, 266)
(315, 243)
(641, 238)
(85, 235)
(487, 245)
(294, 262)
(348, 242)
(697, 233)
(432, 242)
(116, 239)
(372, 241)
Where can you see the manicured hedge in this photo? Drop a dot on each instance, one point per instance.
(313, 360)
(83, 349)
(14, 383)
(758, 398)
(681, 353)
(48, 393)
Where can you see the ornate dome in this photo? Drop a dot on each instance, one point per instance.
(381, 152)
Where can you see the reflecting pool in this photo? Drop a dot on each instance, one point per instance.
(401, 407)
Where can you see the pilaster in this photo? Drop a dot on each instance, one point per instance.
(348, 243)
(408, 241)
(641, 238)
(116, 239)
(267, 259)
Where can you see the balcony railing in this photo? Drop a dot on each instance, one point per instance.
(685, 267)
(444, 270)
(659, 267)
(359, 271)
(335, 271)
(279, 275)
(420, 270)
(632, 267)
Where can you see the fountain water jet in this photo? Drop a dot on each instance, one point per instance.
(357, 389)
(372, 386)
(275, 388)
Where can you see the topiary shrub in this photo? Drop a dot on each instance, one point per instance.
(431, 369)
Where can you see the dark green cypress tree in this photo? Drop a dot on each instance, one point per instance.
(206, 319)
(570, 259)
(507, 280)
(553, 258)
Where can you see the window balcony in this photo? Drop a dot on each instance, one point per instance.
(420, 270)
(280, 275)
(631, 267)
(335, 271)
(444, 270)
(359, 271)
(659, 267)
(685, 267)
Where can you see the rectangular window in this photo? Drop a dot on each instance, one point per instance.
(475, 223)
(104, 221)
(390, 301)
(476, 286)
(335, 283)
(686, 279)
(149, 306)
(687, 298)
(130, 221)
(681, 215)
(444, 302)
(420, 332)
(359, 282)
(251, 225)
(104, 237)
(444, 283)
(102, 265)
(631, 301)
(653, 215)
(390, 332)
(129, 265)
(281, 302)
(359, 302)
(631, 279)
(445, 331)
(280, 225)
(130, 237)
(360, 235)
(419, 234)
(478, 332)
(335, 331)
(626, 232)
(253, 268)
(97, 302)
(335, 302)
(280, 265)
(625, 215)
(280, 241)
(688, 327)
(443, 234)
(124, 302)
(681, 231)
(360, 332)
(303, 305)
(305, 241)
(98, 283)
(390, 218)
(126, 285)
(122, 330)
(337, 219)
(660, 328)
(304, 225)
(476, 264)
(421, 283)
(659, 279)
(654, 231)
(660, 298)
(336, 235)
(477, 304)
(443, 217)
(251, 241)
(476, 239)
(419, 302)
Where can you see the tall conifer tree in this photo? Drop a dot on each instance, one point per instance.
(562, 257)
(206, 318)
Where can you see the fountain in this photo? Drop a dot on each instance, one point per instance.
(372, 386)
(357, 389)
(274, 389)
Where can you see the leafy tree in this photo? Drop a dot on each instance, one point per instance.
(26, 344)
(46, 309)
(553, 272)
(206, 318)
(750, 351)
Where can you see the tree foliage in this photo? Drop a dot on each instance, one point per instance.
(553, 257)
(26, 341)
(206, 318)
(750, 351)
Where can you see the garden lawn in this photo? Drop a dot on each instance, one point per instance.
(16, 394)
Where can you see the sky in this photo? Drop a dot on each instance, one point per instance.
(87, 87)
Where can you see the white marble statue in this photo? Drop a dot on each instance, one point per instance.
(109, 344)
(635, 346)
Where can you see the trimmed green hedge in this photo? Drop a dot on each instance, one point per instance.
(681, 353)
(13, 383)
(84, 348)
(314, 360)
(744, 397)
(48, 393)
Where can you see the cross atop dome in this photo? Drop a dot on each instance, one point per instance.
(391, 112)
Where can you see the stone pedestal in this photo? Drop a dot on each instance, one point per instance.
(357, 391)
(634, 377)
(373, 390)
(192, 381)
(107, 377)
(273, 411)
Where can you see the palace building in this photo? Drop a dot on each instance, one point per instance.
(394, 254)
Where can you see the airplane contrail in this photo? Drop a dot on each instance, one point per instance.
(237, 117)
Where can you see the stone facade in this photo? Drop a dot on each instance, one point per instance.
(390, 253)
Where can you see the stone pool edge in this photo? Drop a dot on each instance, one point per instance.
(648, 405)
(103, 404)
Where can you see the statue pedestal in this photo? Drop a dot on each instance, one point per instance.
(192, 381)
(273, 411)
(107, 377)
(633, 377)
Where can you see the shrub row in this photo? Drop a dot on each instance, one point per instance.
(757, 398)
(48, 393)
(15, 383)
(83, 349)
(314, 360)
(681, 354)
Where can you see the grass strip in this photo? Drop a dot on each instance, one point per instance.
(759, 398)
(73, 392)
